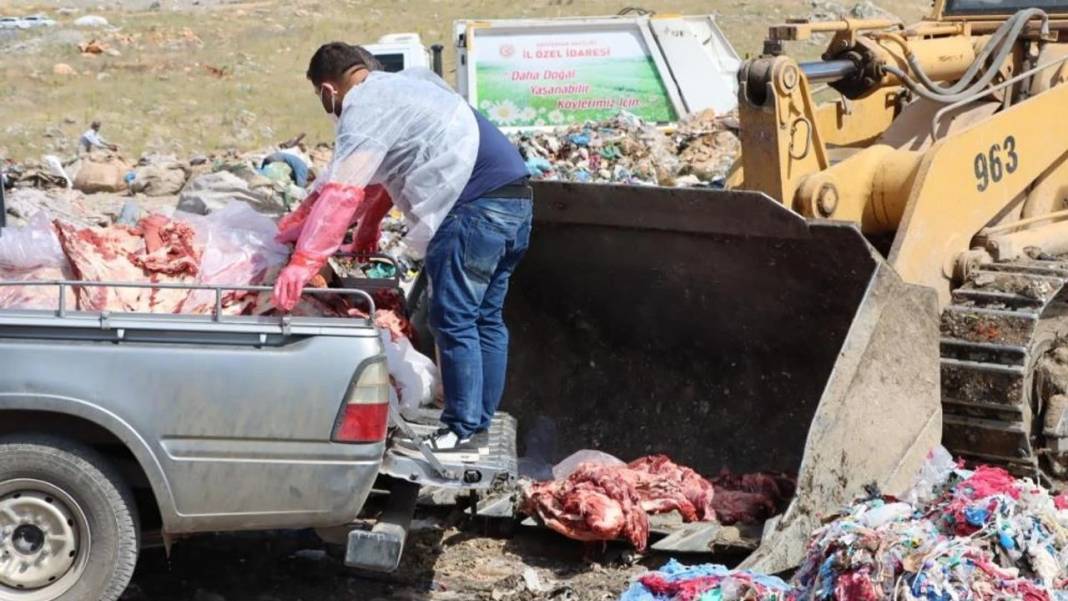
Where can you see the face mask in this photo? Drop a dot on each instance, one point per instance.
(333, 101)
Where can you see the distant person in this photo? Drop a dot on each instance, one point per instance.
(91, 139)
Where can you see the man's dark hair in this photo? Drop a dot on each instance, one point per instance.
(332, 60)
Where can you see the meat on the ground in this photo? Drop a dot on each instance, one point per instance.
(751, 498)
(607, 502)
(594, 503)
(600, 502)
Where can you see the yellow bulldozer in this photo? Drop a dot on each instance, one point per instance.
(882, 273)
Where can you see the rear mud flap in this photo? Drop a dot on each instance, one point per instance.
(728, 332)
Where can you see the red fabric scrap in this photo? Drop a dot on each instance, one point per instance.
(1061, 500)
(679, 590)
(988, 481)
(855, 586)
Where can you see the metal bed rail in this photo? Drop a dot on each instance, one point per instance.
(218, 291)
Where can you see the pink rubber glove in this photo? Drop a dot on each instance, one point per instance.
(320, 237)
(292, 279)
(369, 230)
(290, 225)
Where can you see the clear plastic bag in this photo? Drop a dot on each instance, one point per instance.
(414, 374)
(932, 477)
(30, 246)
(28, 253)
(238, 249)
(566, 467)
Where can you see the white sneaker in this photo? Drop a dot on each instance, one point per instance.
(445, 445)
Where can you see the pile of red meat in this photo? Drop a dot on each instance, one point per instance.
(159, 250)
(600, 502)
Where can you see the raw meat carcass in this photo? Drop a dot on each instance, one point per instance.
(593, 504)
(124, 254)
(34, 297)
(605, 502)
(597, 501)
(168, 247)
(665, 486)
(751, 498)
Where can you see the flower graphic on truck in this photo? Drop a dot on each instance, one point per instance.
(504, 112)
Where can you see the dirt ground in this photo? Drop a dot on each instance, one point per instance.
(443, 561)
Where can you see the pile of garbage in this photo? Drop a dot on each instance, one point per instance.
(594, 496)
(399, 264)
(626, 150)
(272, 181)
(958, 534)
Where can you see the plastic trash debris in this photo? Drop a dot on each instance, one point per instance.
(625, 150)
(56, 167)
(983, 535)
(213, 191)
(101, 173)
(162, 178)
(415, 375)
(678, 581)
(91, 21)
(932, 476)
(130, 214)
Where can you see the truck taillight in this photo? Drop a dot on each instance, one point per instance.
(366, 412)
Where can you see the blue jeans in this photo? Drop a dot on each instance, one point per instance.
(469, 262)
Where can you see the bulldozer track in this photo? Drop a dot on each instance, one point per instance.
(996, 329)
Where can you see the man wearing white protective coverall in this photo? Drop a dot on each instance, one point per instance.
(407, 140)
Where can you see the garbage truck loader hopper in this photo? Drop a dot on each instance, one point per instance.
(727, 332)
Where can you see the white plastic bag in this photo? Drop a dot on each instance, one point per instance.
(30, 246)
(32, 252)
(884, 514)
(928, 483)
(414, 374)
(56, 166)
(566, 467)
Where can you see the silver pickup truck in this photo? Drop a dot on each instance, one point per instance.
(116, 424)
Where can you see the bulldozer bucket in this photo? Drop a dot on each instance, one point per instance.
(728, 332)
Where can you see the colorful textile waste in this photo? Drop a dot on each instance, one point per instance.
(988, 536)
(708, 582)
(981, 535)
(626, 150)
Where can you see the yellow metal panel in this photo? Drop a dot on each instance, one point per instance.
(966, 180)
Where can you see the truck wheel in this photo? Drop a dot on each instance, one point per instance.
(68, 524)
